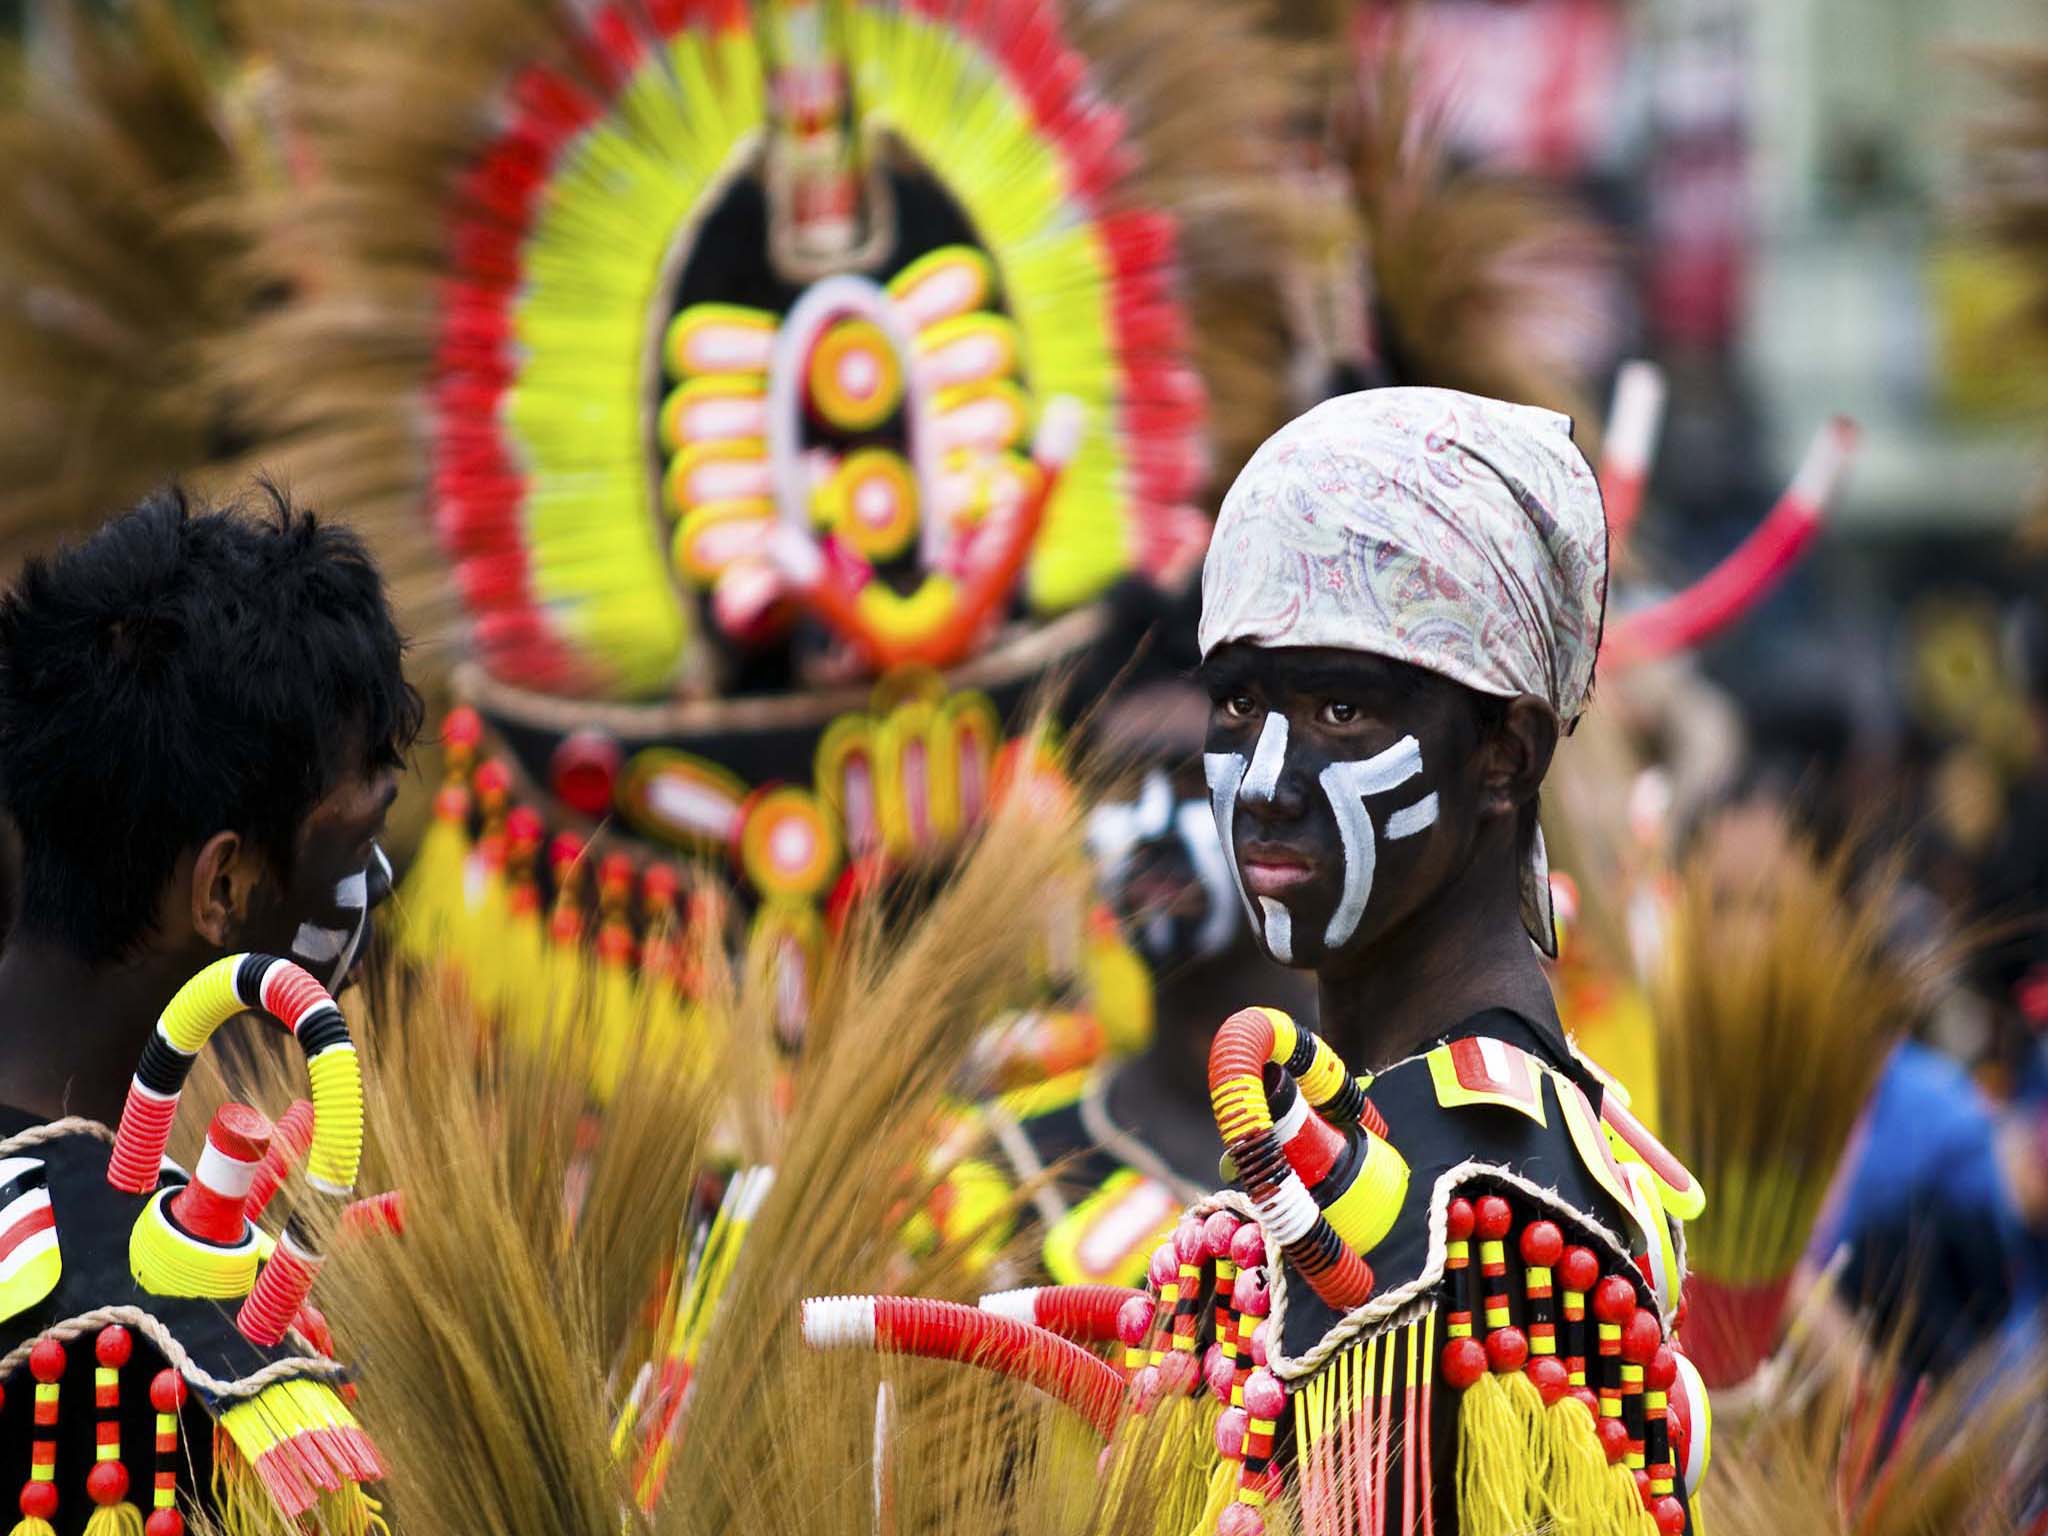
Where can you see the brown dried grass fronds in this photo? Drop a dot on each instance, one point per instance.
(1778, 996)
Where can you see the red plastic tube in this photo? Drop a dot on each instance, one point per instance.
(1084, 1313)
(947, 1330)
(291, 1139)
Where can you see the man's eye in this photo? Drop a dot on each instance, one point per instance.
(1240, 706)
(1336, 712)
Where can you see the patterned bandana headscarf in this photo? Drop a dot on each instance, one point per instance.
(1459, 534)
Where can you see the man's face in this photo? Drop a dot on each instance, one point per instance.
(322, 917)
(1159, 861)
(1346, 790)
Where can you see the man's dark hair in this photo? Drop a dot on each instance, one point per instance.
(183, 671)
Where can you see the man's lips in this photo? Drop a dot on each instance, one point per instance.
(1271, 869)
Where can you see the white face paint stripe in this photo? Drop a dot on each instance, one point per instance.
(1347, 785)
(354, 891)
(1279, 929)
(1411, 819)
(320, 945)
(1212, 868)
(1225, 771)
(1263, 781)
(1155, 805)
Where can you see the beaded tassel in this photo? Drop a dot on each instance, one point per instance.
(1219, 1368)
(107, 1483)
(167, 1397)
(39, 1494)
(1658, 1377)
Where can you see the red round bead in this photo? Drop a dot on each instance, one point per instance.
(107, 1482)
(46, 1361)
(1669, 1515)
(1219, 1232)
(1614, 1438)
(1264, 1397)
(1220, 1371)
(1640, 1337)
(493, 778)
(1165, 1266)
(1587, 1396)
(1662, 1369)
(1248, 1246)
(1678, 1419)
(1491, 1217)
(38, 1500)
(113, 1346)
(463, 727)
(1507, 1349)
(1459, 1217)
(1614, 1300)
(1464, 1362)
(1250, 1295)
(1230, 1424)
(1550, 1377)
(1145, 1387)
(1542, 1243)
(1580, 1271)
(1240, 1520)
(1260, 1348)
(167, 1392)
(168, 1522)
(1134, 1319)
(1178, 1372)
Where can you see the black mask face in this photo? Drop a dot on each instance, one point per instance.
(1345, 788)
(1165, 873)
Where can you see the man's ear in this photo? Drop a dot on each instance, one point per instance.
(225, 873)
(1517, 754)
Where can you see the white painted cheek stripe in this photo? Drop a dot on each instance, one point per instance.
(1347, 785)
(1262, 783)
(320, 945)
(1279, 929)
(1411, 819)
(1225, 771)
(1198, 835)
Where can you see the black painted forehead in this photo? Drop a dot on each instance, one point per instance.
(1317, 669)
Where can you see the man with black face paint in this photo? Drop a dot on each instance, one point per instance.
(1402, 608)
(203, 716)
(202, 720)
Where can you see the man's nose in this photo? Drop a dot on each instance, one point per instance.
(1275, 787)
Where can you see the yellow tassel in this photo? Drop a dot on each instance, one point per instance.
(1533, 1419)
(618, 1029)
(430, 904)
(1496, 1495)
(122, 1519)
(28, 1525)
(1577, 1493)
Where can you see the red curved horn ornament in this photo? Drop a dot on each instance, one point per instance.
(947, 1330)
(1735, 586)
(1628, 447)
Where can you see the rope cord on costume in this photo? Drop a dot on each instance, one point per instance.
(55, 1130)
(299, 1367)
